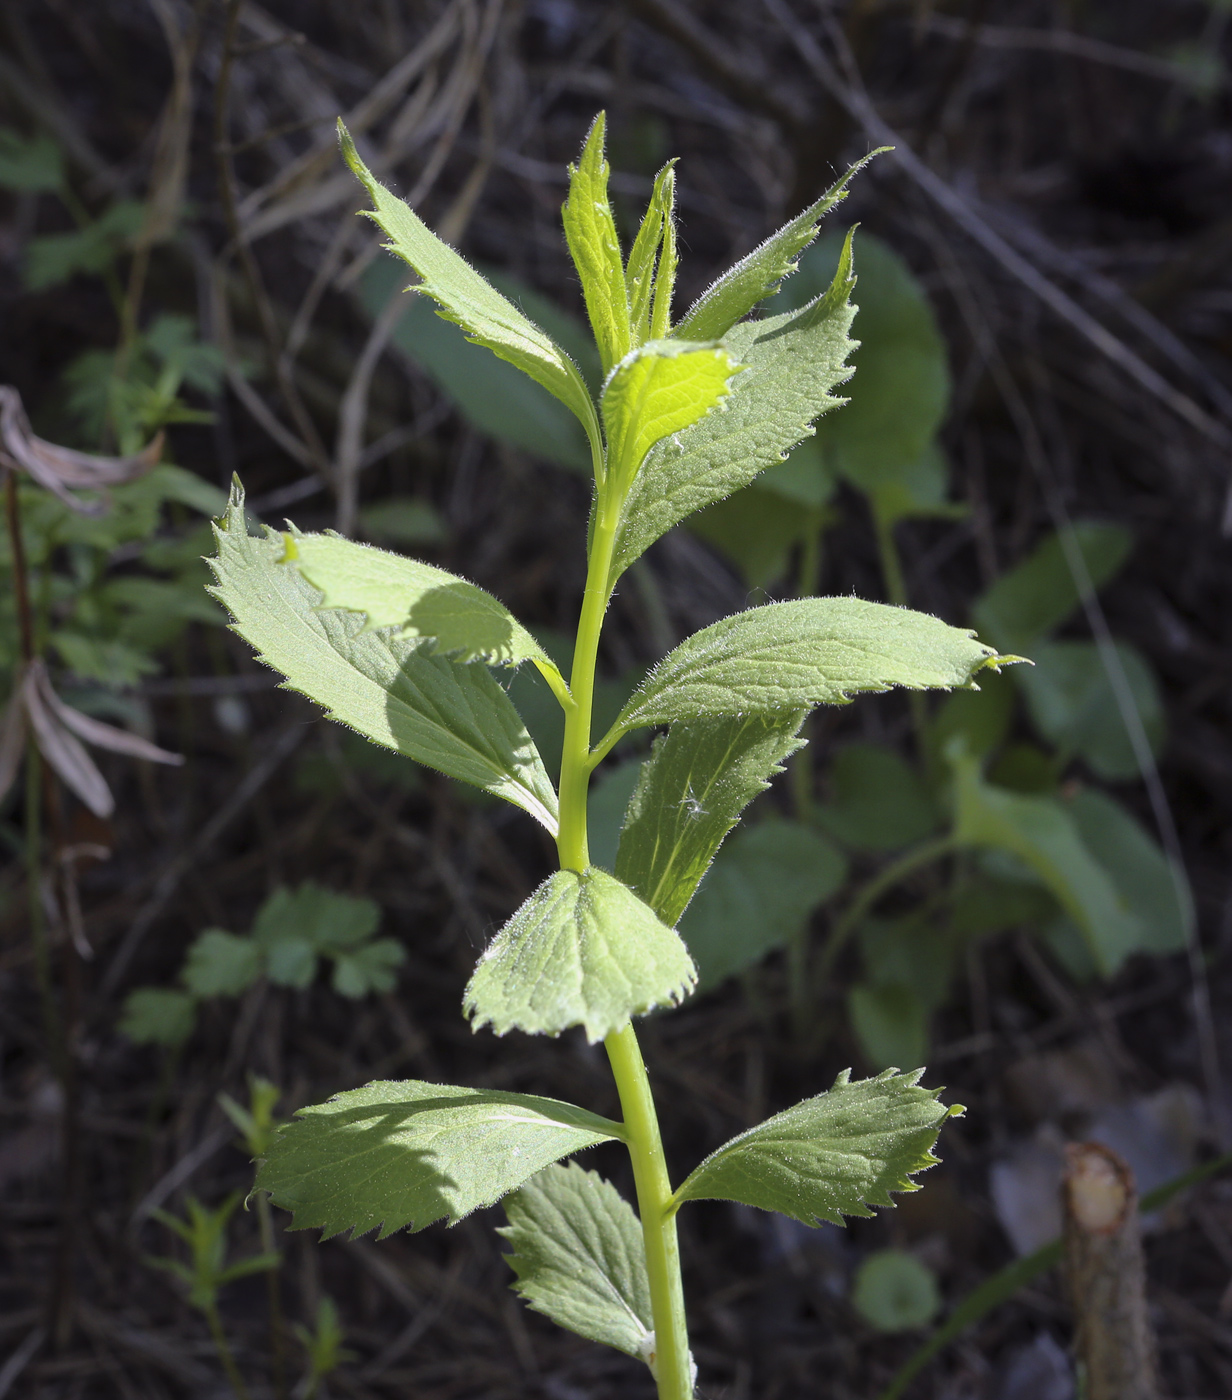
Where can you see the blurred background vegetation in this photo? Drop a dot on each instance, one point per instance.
(1026, 888)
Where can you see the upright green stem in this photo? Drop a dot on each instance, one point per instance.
(672, 1364)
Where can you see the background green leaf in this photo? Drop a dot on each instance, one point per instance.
(158, 1016)
(579, 1257)
(878, 802)
(406, 1154)
(582, 951)
(221, 964)
(895, 1292)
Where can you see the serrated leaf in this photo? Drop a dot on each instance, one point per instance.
(447, 716)
(758, 274)
(590, 231)
(795, 655)
(1073, 705)
(470, 300)
(582, 951)
(1040, 832)
(831, 1156)
(878, 802)
(762, 886)
(657, 390)
(789, 366)
(899, 394)
(158, 1016)
(640, 272)
(580, 1258)
(221, 964)
(419, 600)
(1038, 595)
(699, 778)
(407, 1154)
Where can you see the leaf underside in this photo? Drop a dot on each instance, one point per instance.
(398, 1155)
(580, 1258)
(699, 778)
(451, 717)
(831, 1156)
(792, 656)
(582, 951)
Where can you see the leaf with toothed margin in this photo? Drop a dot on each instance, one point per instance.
(406, 1154)
(790, 365)
(449, 716)
(831, 1156)
(582, 951)
(580, 1259)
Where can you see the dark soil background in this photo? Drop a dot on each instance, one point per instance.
(1074, 130)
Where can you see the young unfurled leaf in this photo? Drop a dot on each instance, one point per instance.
(579, 1257)
(758, 274)
(763, 885)
(470, 300)
(448, 716)
(640, 273)
(1040, 593)
(830, 1156)
(659, 389)
(407, 1154)
(1042, 834)
(789, 366)
(792, 656)
(699, 778)
(590, 231)
(582, 951)
(421, 601)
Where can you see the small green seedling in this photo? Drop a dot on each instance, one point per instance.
(895, 1292)
(689, 411)
(207, 1272)
(294, 931)
(322, 1347)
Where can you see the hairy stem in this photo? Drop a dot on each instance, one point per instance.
(672, 1364)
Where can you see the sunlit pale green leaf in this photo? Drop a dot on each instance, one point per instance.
(421, 601)
(697, 781)
(406, 1154)
(831, 1156)
(761, 888)
(452, 717)
(579, 1257)
(590, 231)
(1040, 594)
(758, 274)
(790, 365)
(469, 300)
(582, 951)
(792, 656)
(640, 272)
(659, 390)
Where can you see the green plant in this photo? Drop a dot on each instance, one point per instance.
(400, 650)
(294, 930)
(323, 1348)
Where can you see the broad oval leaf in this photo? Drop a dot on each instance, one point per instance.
(758, 274)
(793, 656)
(417, 599)
(659, 389)
(407, 1154)
(471, 301)
(451, 717)
(580, 1258)
(831, 1156)
(582, 951)
(698, 779)
(789, 366)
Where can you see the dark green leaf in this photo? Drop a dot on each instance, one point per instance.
(582, 951)
(792, 656)
(221, 964)
(579, 1257)
(758, 530)
(890, 1022)
(368, 969)
(698, 780)
(405, 520)
(757, 895)
(326, 920)
(1038, 595)
(878, 802)
(831, 1156)
(451, 717)
(158, 1016)
(29, 163)
(406, 1154)
(895, 1292)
